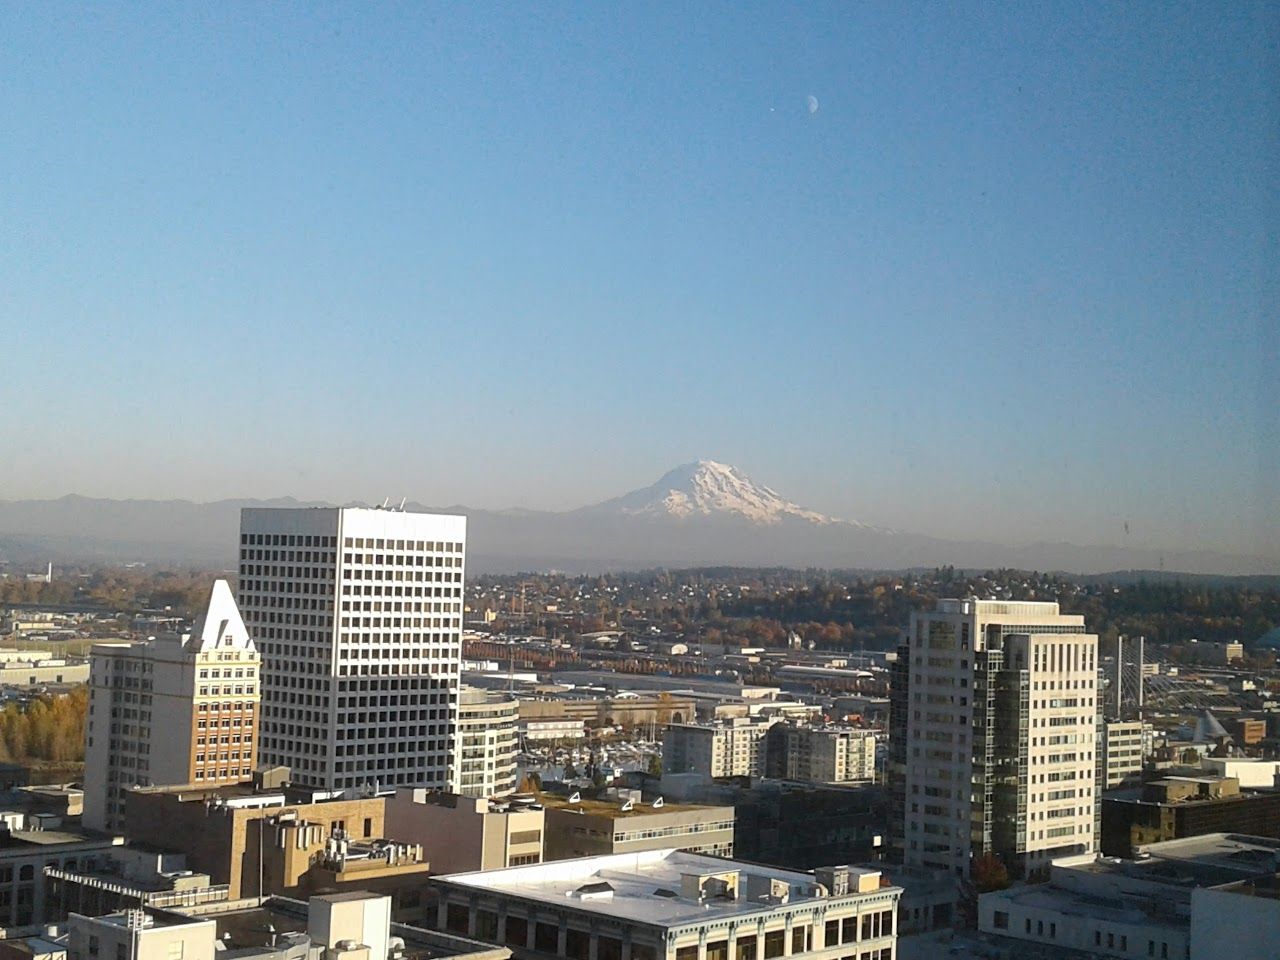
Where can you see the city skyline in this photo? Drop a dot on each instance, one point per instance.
(976, 274)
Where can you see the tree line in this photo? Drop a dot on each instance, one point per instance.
(46, 728)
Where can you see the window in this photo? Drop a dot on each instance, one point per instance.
(687, 953)
(799, 940)
(718, 950)
(517, 934)
(775, 942)
(831, 933)
(546, 938)
(456, 917)
(1001, 920)
(486, 925)
(746, 948)
(577, 945)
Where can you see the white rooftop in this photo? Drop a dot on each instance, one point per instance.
(647, 887)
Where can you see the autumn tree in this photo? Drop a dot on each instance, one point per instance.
(990, 873)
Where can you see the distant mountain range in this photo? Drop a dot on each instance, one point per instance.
(699, 514)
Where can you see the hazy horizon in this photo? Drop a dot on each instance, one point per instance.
(970, 272)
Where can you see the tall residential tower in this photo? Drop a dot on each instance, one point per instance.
(171, 710)
(1001, 710)
(358, 615)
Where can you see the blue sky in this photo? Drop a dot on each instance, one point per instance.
(1015, 278)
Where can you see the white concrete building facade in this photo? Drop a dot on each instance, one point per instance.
(487, 745)
(1197, 898)
(672, 905)
(358, 615)
(1001, 715)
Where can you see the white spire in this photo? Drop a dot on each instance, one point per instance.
(220, 625)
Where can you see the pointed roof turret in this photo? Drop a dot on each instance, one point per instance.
(221, 624)
(1208, 727)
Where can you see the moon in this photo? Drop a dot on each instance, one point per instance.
(812, 101)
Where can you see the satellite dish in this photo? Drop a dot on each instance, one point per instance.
(575, 797)
(628, 805)
(658, 803)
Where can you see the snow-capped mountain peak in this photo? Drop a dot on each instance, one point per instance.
(710, 488)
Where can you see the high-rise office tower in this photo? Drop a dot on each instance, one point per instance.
(171, 710)
(358, 615)
(1001, 712)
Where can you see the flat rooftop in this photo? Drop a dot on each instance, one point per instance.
(641, 887)
(258, 926)
(1231, 850)
(45, 838)
(154, 918)
(1210, 860)
(613, 808)
(1045, 897)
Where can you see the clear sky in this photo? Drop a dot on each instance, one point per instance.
(1015, 277)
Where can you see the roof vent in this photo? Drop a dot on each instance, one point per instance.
(600, 890)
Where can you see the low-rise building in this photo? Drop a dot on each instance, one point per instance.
(585, 828)
(273, 840)
(1140, 909)
(1250, 772)
(126, 878)
(653, 710)
(345, 926)
(1247, 731)
(551, 730)
(38, 668)
(464, 834)
(1176, 807)
(1221, 653)
(672, 905)
(800, 826)
(930, 898)
(141, 935)
(24, 856)
(1245, 915)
